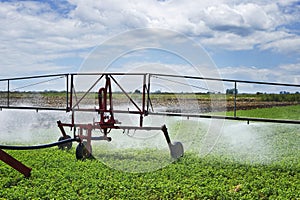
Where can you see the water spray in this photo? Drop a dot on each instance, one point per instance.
(83, 132)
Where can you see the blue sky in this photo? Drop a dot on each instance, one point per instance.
(249, 40)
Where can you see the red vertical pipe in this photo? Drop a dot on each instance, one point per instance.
(105, 92)
(61, 128)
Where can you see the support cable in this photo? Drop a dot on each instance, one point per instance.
(186, 84)
(33, 84)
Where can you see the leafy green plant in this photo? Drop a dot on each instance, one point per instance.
(58, 175)
(282, 112)
(237, 168)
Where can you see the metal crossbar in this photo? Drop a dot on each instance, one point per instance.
(146, 100)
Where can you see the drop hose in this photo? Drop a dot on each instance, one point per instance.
(42, 146)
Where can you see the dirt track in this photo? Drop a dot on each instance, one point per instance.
(217, 106)
(170, 105)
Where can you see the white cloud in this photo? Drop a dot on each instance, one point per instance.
(255, 16)
(282, 74)
(294, 68)
(222, 16)
(32, 33)
(290, 44)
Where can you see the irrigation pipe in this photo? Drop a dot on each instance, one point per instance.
(42, 146)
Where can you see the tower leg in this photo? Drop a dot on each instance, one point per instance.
(176, 149)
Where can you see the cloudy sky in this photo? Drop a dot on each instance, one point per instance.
(248, 40)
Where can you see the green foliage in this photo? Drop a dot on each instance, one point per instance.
(58, 175)
(265, 97)
(232, 91)
(280, 97)
(222, 174)
(284, 112)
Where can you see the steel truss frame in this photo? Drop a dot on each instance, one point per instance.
(106, 112)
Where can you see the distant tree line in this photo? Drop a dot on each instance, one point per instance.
(232, 91)
(280, 97)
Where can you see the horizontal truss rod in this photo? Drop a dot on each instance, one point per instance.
(145, 128)
(149, 75)
(32, 77)
(153, 75)
(248, 119)
(284, 121)
(32, 108)
(226, 80)
(65, 109)
(70, 74)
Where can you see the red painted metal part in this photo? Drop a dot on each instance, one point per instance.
(107, 121)
(61, 128)
(106, 113)
(14, 163)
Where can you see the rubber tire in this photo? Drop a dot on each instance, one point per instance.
(81, 151)
(67, 146)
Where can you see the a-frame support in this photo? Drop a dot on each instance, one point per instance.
(14, 163)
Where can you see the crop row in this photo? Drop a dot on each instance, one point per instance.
(57, 175)
(263, 166)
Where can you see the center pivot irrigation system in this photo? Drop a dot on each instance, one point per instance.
(83, 132)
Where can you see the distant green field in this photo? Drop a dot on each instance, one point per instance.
(283, 112)
(163, 96)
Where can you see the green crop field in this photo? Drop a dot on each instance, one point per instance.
(285, 112)
(256, 161)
